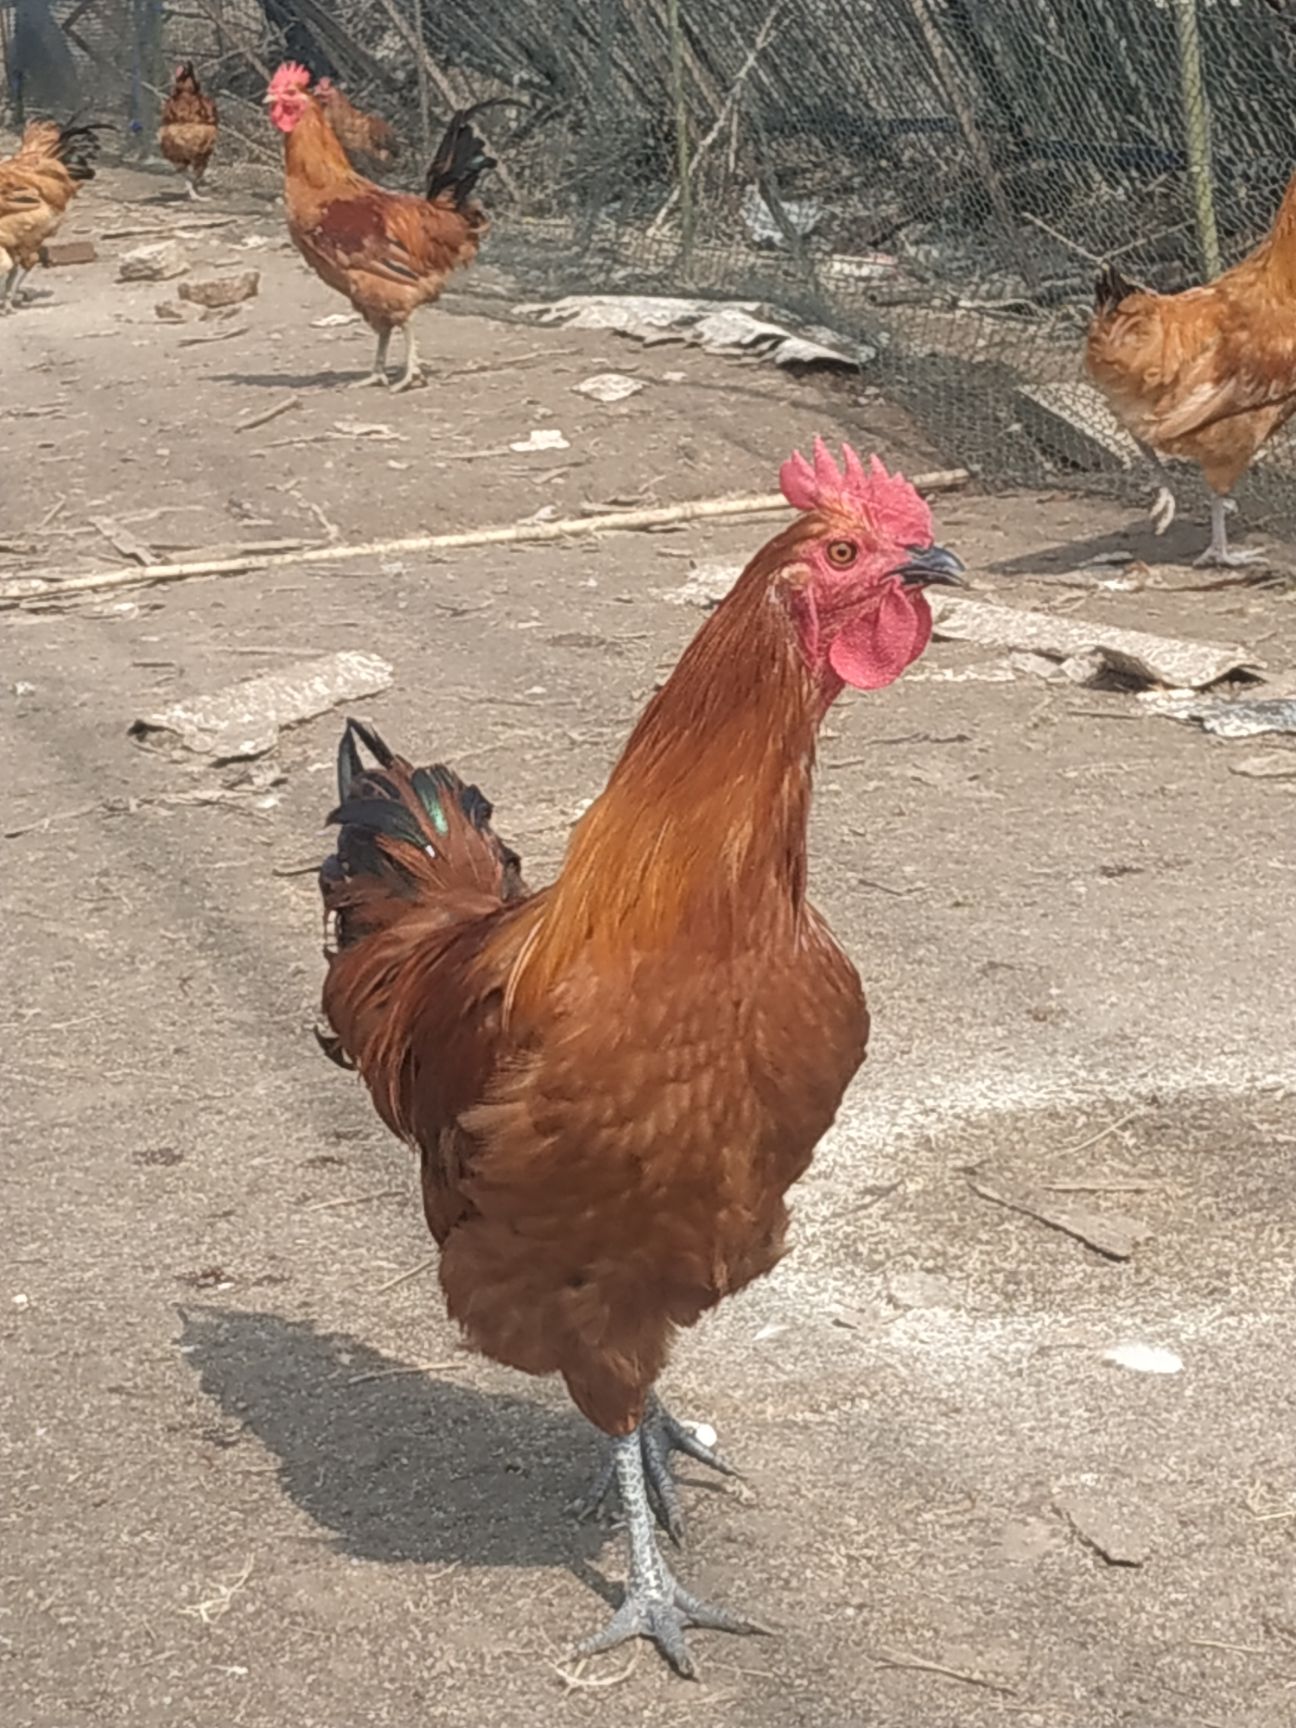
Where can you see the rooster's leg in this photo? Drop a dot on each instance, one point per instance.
(192, 182)
(655, 1605)
(660, 1434)
(1218, 551)
(412, 376)
(11, 282)
(1163, 505)
(379, 373)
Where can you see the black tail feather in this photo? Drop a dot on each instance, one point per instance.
(1110, 288)
(461, 157)
(421, 808)
(78, 147)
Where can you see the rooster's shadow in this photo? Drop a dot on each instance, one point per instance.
(398, 1465)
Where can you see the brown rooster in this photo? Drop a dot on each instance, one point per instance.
(359, 134)
(388, 252)
(189, 129)
(612, 1082)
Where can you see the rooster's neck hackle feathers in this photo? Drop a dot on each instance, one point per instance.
(700, 835)
(313, 152)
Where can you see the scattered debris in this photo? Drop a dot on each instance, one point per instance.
(871, 1322)
(334, 320)
(217, 291)
(404, 1277)
(414, 1368)
(703, 1432)
(549, 438)
(56, 253)
(219, 336)
(369, 429)
(721, 327)
(268, 414)
(801, 215)
(245, 719)
(123, 541)
(1267, 765)
(1130, 654)
(1243, 718)
(1144, 1359)
(158, 263)
(901, 1659)
(1111, 1234)
(609, 387)
(215, 1606)
(170, 312)
(1118, 1535)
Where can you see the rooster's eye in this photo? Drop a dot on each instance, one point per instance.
(842, 552)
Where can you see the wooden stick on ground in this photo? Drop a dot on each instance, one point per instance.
(23, 589)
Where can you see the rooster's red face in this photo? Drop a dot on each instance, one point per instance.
(867, 555)
(288, 96)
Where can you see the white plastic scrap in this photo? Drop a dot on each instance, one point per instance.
(721, 327)
(802, 216)
(543, 439)
(1144, 1359)
(609, 386)
(245, 719)
(1243, 718)
(1166, 660)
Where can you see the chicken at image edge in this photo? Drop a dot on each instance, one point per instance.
(1207, 374)
(37, 184)
(611, 1082)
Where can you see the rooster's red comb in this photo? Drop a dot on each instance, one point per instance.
(290, 78)
(883, 503)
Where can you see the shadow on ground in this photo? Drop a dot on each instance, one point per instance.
(398, 1464)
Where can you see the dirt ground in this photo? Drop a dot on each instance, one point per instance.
(250, 1477)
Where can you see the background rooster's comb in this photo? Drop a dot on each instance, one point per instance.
(290, 76)
(877, 500)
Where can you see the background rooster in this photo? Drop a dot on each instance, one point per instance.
(359, 134)
(612, 1082)
(1207, 374)
(36, 187)
(388, 252)
(189, 129)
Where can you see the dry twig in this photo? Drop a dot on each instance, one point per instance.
(24, 590)
(899, 1659)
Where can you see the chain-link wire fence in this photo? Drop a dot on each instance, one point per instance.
(938, 180)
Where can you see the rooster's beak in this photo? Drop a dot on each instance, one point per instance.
(931, 564)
